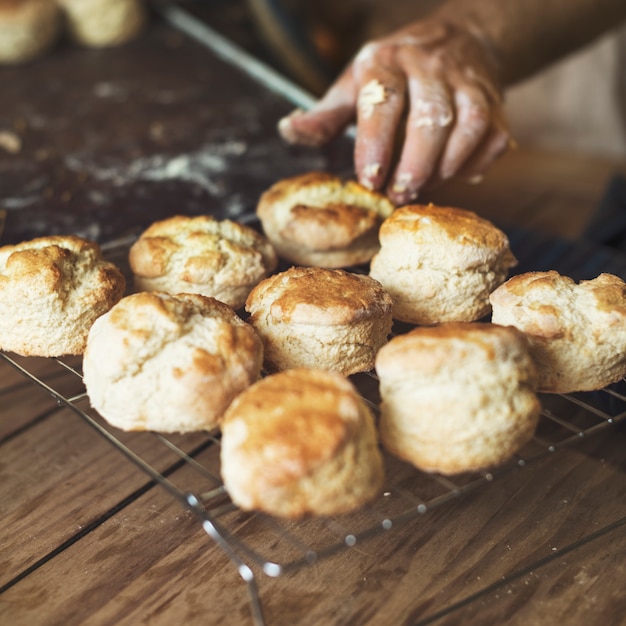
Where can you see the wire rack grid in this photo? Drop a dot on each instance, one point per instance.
(256, 542)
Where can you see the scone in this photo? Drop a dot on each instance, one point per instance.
(299, 443)
(457, 397)
(439, 264)
(52, 289)
(320, 318)
(101, 23)
(224, 260)
(169, 363)
(28, 28)
(577, 332)
(320, 220)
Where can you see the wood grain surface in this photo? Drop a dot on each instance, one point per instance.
(86, 537)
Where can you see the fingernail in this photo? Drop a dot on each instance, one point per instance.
(404, 189)
(370, 176)
(475, 180)
(285, 126)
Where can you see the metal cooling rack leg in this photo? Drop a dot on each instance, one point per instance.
(210, 528)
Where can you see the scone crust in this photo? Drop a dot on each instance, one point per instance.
(577, 332)
(318, 219)
(300, 443)
(318, 317)
(169, 363)
(220, 259)
(440, 263)
(101, 23)
(28, 28)
(457, 397)
(52, 289)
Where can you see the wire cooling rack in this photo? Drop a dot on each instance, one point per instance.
(256, 542)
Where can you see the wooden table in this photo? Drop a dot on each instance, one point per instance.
(89, 538)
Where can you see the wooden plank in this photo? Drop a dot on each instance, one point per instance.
(22, 402)
(59, 476)
(168, 573)
(553, 193)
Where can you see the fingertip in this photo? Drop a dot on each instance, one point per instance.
(404, 189)
(370, 176)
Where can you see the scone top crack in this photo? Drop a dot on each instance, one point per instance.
(169, 363)
(319, 296)
(184, 254)
(446, 238)
(51, 290)
(318, 218)
(577, 332)
(319, 317)
(54, 264)
(439, 264)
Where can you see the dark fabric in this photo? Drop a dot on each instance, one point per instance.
(608, 226)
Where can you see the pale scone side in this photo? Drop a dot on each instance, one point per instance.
(457, 397)
(440, 264)
(169, 363)
(298, 443)
(577, 332)
(52, 289)
(220, 259)
(316, 317)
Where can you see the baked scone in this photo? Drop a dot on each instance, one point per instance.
(457, 397)
(221, 259)
(169, 363)
(320, 318)
(28, 28)
(52, 289)
(320, 220)
(101, 23)
(439, 264)
(577, 332)
(301, 442)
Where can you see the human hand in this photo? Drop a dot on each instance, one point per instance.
(427, 107)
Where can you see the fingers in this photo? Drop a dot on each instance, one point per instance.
(472, 121)
(430, 106)
(379, 109)
(326, 119)
(495, 143)
(431, 113)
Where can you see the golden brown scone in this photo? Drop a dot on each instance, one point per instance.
(52, 289)
(320, 318)
(220, 259)
(300, 443)
(577, 332)
(101, 23)
(169, 363)
(320, 220)
(439, 264)
(28, 28)
(457, 397)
